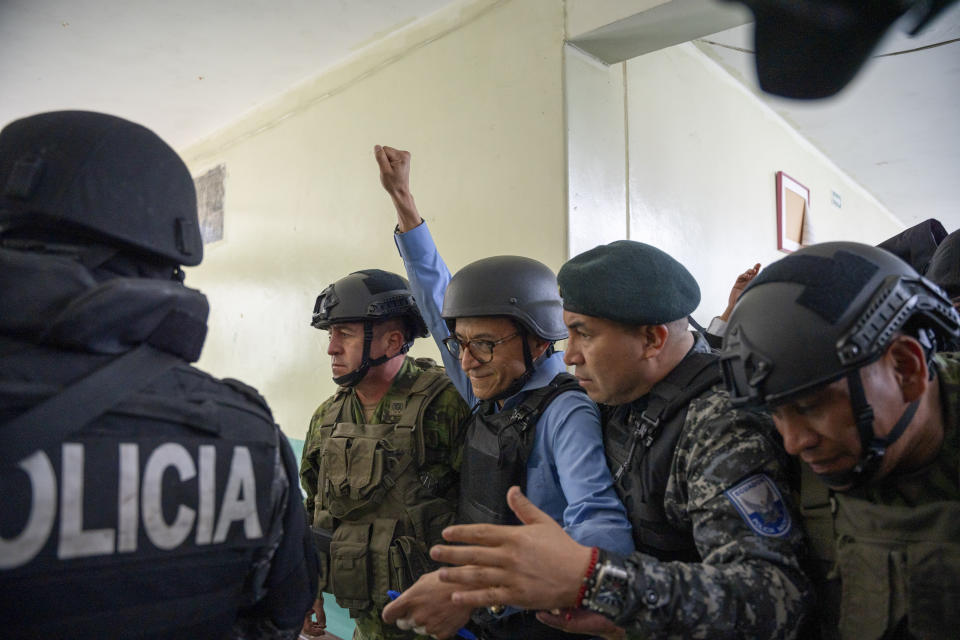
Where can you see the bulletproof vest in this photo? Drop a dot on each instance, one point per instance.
(639, 443)
(373, 497)
(882, 567)
(496, 451)
(149, 520)
(495, 454)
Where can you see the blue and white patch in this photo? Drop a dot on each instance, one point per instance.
(761, 505)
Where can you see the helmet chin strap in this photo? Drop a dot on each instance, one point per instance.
(872, 448)
(354, 377)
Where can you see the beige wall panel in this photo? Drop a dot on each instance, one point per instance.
(596, 151)
(478, 102)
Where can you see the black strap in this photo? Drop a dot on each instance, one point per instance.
(527, 413)
(53, 420)
(696, 373)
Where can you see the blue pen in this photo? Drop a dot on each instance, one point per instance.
(463, 633)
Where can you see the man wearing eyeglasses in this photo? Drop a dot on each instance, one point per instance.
(496, 321)
(705, 484)
(380, 458)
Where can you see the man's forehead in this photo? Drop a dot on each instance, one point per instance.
(571, 318)
(482, 327)
(579, 320)
(349, 327)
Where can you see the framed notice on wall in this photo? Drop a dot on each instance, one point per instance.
(793, 202)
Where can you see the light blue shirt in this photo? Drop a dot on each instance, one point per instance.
(567, 474)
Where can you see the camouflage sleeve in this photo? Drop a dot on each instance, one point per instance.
(310, 463)
(729, 486)
(444, 432)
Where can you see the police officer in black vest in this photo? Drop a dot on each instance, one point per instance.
(141, 497)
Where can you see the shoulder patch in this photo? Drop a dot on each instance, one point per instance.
(761, 506)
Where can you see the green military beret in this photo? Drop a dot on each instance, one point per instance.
(630, 282)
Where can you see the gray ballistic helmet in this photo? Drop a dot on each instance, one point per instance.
(821, 314)
(513, 286)
(368, 296)
(101, 177)
(813, 48)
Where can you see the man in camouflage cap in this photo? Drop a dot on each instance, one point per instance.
(381, 457)
(704, 484)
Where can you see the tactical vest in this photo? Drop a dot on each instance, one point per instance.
(639, 446)
(880, 563)
(164, 505)
(496, 451)
(382, 511)
(495, 455)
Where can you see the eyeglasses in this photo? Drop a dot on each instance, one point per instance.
(481, 350)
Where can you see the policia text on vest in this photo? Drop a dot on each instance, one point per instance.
(170, 497)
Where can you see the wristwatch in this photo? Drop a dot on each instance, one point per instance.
(610, 589)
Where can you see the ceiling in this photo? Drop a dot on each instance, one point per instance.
(189, 67)
(186, 67)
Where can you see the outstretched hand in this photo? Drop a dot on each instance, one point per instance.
(395, 177)
(534, 566)
(427, 609)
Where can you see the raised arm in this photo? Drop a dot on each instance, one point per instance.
(738, 286)
(426, 270)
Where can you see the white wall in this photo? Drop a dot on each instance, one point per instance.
(700, 159)
(521, 146)
(475, 93)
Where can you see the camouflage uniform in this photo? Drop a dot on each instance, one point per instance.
(894, 544)
(748, 582)
(442, 423)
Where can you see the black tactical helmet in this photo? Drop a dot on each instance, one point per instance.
(821, 314)
(371, 294)
(826, 310)
(513, 286)
(368, 296)
(99, 176)
(813, 48)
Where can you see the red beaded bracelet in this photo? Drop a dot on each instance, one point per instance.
(594, 554)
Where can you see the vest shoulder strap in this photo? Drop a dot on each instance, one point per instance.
(419, 392)
(526, 414)
(428, 385)
(84, 400)
(252, 395)
(695, 374)
(332, 414)
(817, 506)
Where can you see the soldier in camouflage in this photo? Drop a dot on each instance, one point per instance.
(705, 485)
(381, 458)
(839, 340)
